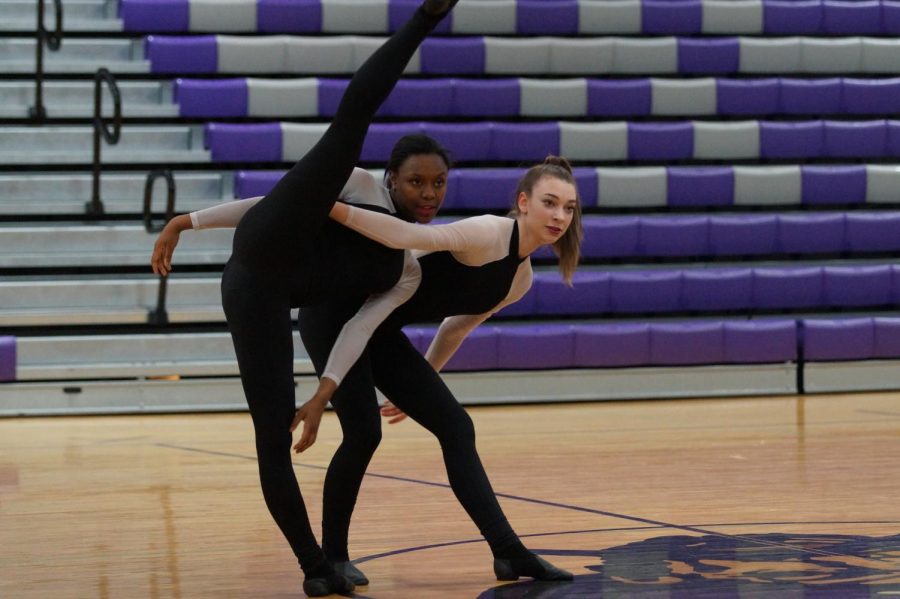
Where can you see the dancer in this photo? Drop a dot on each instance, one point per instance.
(276, 245)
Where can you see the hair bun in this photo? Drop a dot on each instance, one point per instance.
(558, 161)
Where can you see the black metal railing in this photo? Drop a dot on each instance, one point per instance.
(53, 40)
(159, 315)
(95, 206)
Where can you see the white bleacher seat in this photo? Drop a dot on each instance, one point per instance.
(632, 187)
(523, 55)
(683, 97)
(298, 138)
(769, 55)
(594, 141)
(720, 140)
(609, 16)
(882, 184)
(555, 97)
(355, 16)
(880, 55)
(767, 185)
(645, 56)
(222, 16)
(732, 17)
(830, 55)
(283, 97)
(582, 56)
(480, 16)
(319, 55)
(239, 54)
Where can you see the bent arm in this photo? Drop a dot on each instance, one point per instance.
(222, 216)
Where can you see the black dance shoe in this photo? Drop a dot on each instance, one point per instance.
(351, 572)
(328, 585)
(532, 566)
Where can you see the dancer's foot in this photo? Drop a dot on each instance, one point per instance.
(324, 580)
(438, 8)
(532, 566)
(351, 572)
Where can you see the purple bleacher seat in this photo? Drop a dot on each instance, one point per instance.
(419, 98)
(625, 97)
(211, 98)
(539, 17)
(856, 139)
(453, 55)
(666, 17)
(524, 307)
(792, 17)
(743, 235)
(289, 16)
(612, 345)
(611, 237)
(330, 93)
(479, 351)
(536, 347)
(588, 295)
(709, 56)
(250, 184)
(791, 140)
(760, 341)
(871, 96)
(486, 189)
(674, 344)
(244, 142)
(705, 186)
(788, 288)
(155, 15)
(660, 141)
(890, 17)
(717, 289)
(810, 96)
(873, 231)
(847, 339)
(887, 337)
(382, 137)
(172, 54)
(859, 17)
(851, 286)
(7, 358)
(524, 141)
(747, 96)
(811, 233)
(833, 184)
(893, 138)
(486, 97)
(400, 11)
(467, 141)
(674, 236)
(645, 291)
(586, 180)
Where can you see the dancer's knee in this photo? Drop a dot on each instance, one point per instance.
(456, 431)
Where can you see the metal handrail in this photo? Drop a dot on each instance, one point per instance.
(53, 41)
(95, 206)
(159, 315)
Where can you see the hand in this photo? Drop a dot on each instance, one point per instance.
(389, 410)
(161, 260)
(310, 414)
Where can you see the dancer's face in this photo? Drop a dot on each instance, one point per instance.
(418, 187)
(549, 210)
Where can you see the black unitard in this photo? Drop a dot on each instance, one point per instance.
(284, 257)
(448, 287)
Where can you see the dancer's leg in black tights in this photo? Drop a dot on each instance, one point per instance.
(269, 248)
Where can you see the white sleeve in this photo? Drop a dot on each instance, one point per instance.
(227, 214)
(358, 330)
(467, 235)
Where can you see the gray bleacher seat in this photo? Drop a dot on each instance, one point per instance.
(726, 140)
(880, 55)
(319, 55)
(830, 55)
(355, 16)
(299, 138)
(769, 55)
(582, 56)
(517, 55)
(594, 141)
(882, 184)
(609, 16)
(767, 185)
(732, 16)
(683, 97)
(479, 16)
(647, 55)
(241, 54)
(282, 97)
(632, 187)
(557, 97)
(219, 16)
(364, 47)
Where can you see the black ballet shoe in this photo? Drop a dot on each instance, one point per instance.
(328, 585)
(532, 566)
(438, 8)
(351, 572)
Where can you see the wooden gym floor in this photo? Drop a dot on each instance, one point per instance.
(768, 497)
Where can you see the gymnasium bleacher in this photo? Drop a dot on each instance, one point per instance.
(738, 161)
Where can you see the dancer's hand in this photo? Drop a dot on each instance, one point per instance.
(310, 414)
(389, 410)
(161, 260)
